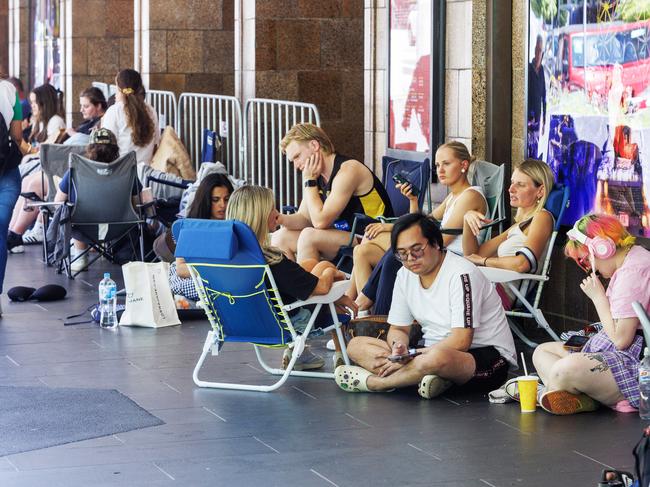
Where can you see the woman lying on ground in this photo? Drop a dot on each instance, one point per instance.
(453, 162)
(255, 206)
(210, 203)
(606, 370)
(519, 248)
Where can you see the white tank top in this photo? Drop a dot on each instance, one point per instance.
(456, 245)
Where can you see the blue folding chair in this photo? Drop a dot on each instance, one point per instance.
(527, 288)
(240, 297)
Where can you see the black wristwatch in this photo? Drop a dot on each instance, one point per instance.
(311, 183)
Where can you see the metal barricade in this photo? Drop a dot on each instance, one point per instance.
(220, 113)
(166, 106)
(266, 122)
(101, 86)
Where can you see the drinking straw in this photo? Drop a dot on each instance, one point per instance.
(523, 361)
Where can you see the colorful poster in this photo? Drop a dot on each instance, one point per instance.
(588, 110)
(410, 75)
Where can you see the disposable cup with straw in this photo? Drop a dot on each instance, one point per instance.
(527, 385)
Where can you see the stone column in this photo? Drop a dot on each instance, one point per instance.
(311, 51)
(99, 42)
(188, 45)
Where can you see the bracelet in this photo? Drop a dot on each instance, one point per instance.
(485, 262)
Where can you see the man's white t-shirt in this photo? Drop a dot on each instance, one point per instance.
(7, 101)
(460, 297)
(115, 120)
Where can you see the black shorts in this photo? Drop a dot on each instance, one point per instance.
(491, 370)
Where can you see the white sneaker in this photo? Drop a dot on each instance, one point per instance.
(80, 264)
(34, 235)
(18, 249)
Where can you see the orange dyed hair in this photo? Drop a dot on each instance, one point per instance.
(594, 225)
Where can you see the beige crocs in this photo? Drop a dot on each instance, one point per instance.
(432, 386)
(352, 378)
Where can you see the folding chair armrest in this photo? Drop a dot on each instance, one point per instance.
(144, 206)
(361, 221)
(388, 219)
(44, 204)
(451, 231)
(505, 275)
(183, 185)
(338, 289)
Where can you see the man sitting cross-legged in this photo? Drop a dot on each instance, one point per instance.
(467, 339)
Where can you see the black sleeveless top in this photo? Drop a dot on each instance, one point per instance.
(374, 203)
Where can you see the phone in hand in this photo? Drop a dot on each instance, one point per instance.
(575, 343)
(400, 179)
(412, 352)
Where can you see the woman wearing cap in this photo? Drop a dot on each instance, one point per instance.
(606, 369)
(133, 121)
(102, 148)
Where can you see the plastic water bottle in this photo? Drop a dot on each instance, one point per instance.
(644, 386)
(107, 302)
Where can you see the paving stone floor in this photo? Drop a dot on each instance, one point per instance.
(308, 433)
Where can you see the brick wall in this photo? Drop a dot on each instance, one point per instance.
(312, 51)
(102, 44)
(191, 46)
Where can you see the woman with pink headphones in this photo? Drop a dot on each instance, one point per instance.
(606, 369)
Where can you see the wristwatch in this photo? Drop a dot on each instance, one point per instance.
(311, 183)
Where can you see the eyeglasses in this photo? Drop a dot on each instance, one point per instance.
(415, 252)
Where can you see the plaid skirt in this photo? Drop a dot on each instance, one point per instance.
(624, 364)
(180, 285)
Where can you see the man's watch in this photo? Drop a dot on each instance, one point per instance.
(310, 183)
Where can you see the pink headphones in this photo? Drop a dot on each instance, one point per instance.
(601, 247)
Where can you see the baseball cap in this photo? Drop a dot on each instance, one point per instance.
(102, 136)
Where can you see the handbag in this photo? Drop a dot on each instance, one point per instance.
(377, 326)
(149, 300)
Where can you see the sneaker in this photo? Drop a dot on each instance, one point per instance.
(34, 235)
(563, 402)
(14, 240)
(18, 249)
(80, 264)
(432, 386)
(308, 360)
(330, 345)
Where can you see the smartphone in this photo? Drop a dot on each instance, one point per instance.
(400, 179)
(410, 354)
(576, 342)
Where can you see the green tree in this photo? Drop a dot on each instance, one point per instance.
(633, 10)
(545, 9)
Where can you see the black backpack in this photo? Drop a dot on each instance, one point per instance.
(10, 155)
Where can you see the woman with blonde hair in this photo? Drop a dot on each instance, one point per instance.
(523, 246)
(606, 370)
(255, 206)
(453, 162)
(131, 118)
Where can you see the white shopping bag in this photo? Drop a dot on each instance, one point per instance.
(149, 300)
